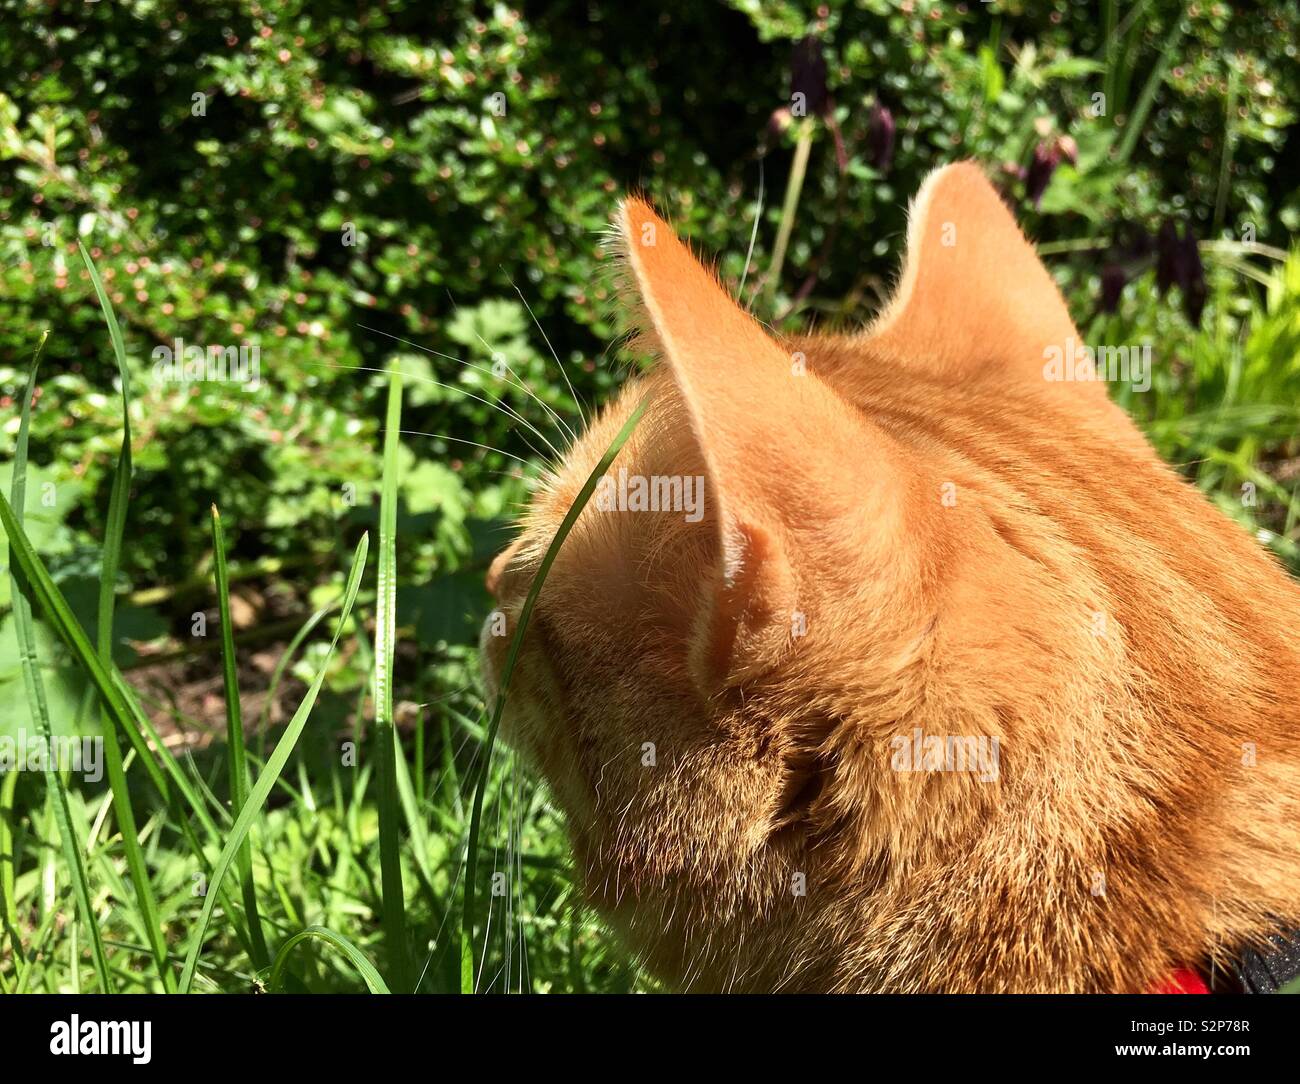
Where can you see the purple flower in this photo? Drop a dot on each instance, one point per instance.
(880, 138)
(1192, 278)
(808, 78)
(1112, 286)
(1040, 172)
(1047, 156)
(1166, 256)
(1178, 263)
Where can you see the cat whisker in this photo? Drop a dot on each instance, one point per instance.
(520, 381)
(559, 364)
(406, 342)
(505, 408)
(753, 237)
(497, 404)
(476, 444)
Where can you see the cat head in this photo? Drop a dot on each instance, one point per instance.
(809, 560)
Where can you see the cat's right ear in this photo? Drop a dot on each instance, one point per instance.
(773, 439)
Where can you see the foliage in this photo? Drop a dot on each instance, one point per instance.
(345, 189)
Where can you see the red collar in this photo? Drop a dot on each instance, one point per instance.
(1182, 981)
(1262, 968)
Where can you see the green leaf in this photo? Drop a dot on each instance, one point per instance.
(236, 761)
(110, 561)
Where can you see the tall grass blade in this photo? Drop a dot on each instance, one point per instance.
(1230, 126)
(110, 561)
(530, 600)
(8, 863)
(793, 187)
(1136, 119)
(1111, 49)
(374, 981)
(35, 684)
(169, 780)
(8, 787)
(108, 682)
(236, 759)
(270, 774)
(385, 747)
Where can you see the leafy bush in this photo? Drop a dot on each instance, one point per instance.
(345, 188)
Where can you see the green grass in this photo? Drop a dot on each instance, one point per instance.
(468, 913)
(251, 807)
(385, 645)
(56, 784)
(250, 872)
(357, 852)
(345, 861)
(236, 761)
(110, 560)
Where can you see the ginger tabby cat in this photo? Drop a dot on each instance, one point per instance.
(908, 534)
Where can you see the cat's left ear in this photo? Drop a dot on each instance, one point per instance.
(773, 438)
(974, 299)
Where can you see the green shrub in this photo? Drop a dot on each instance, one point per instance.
(345, 188)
